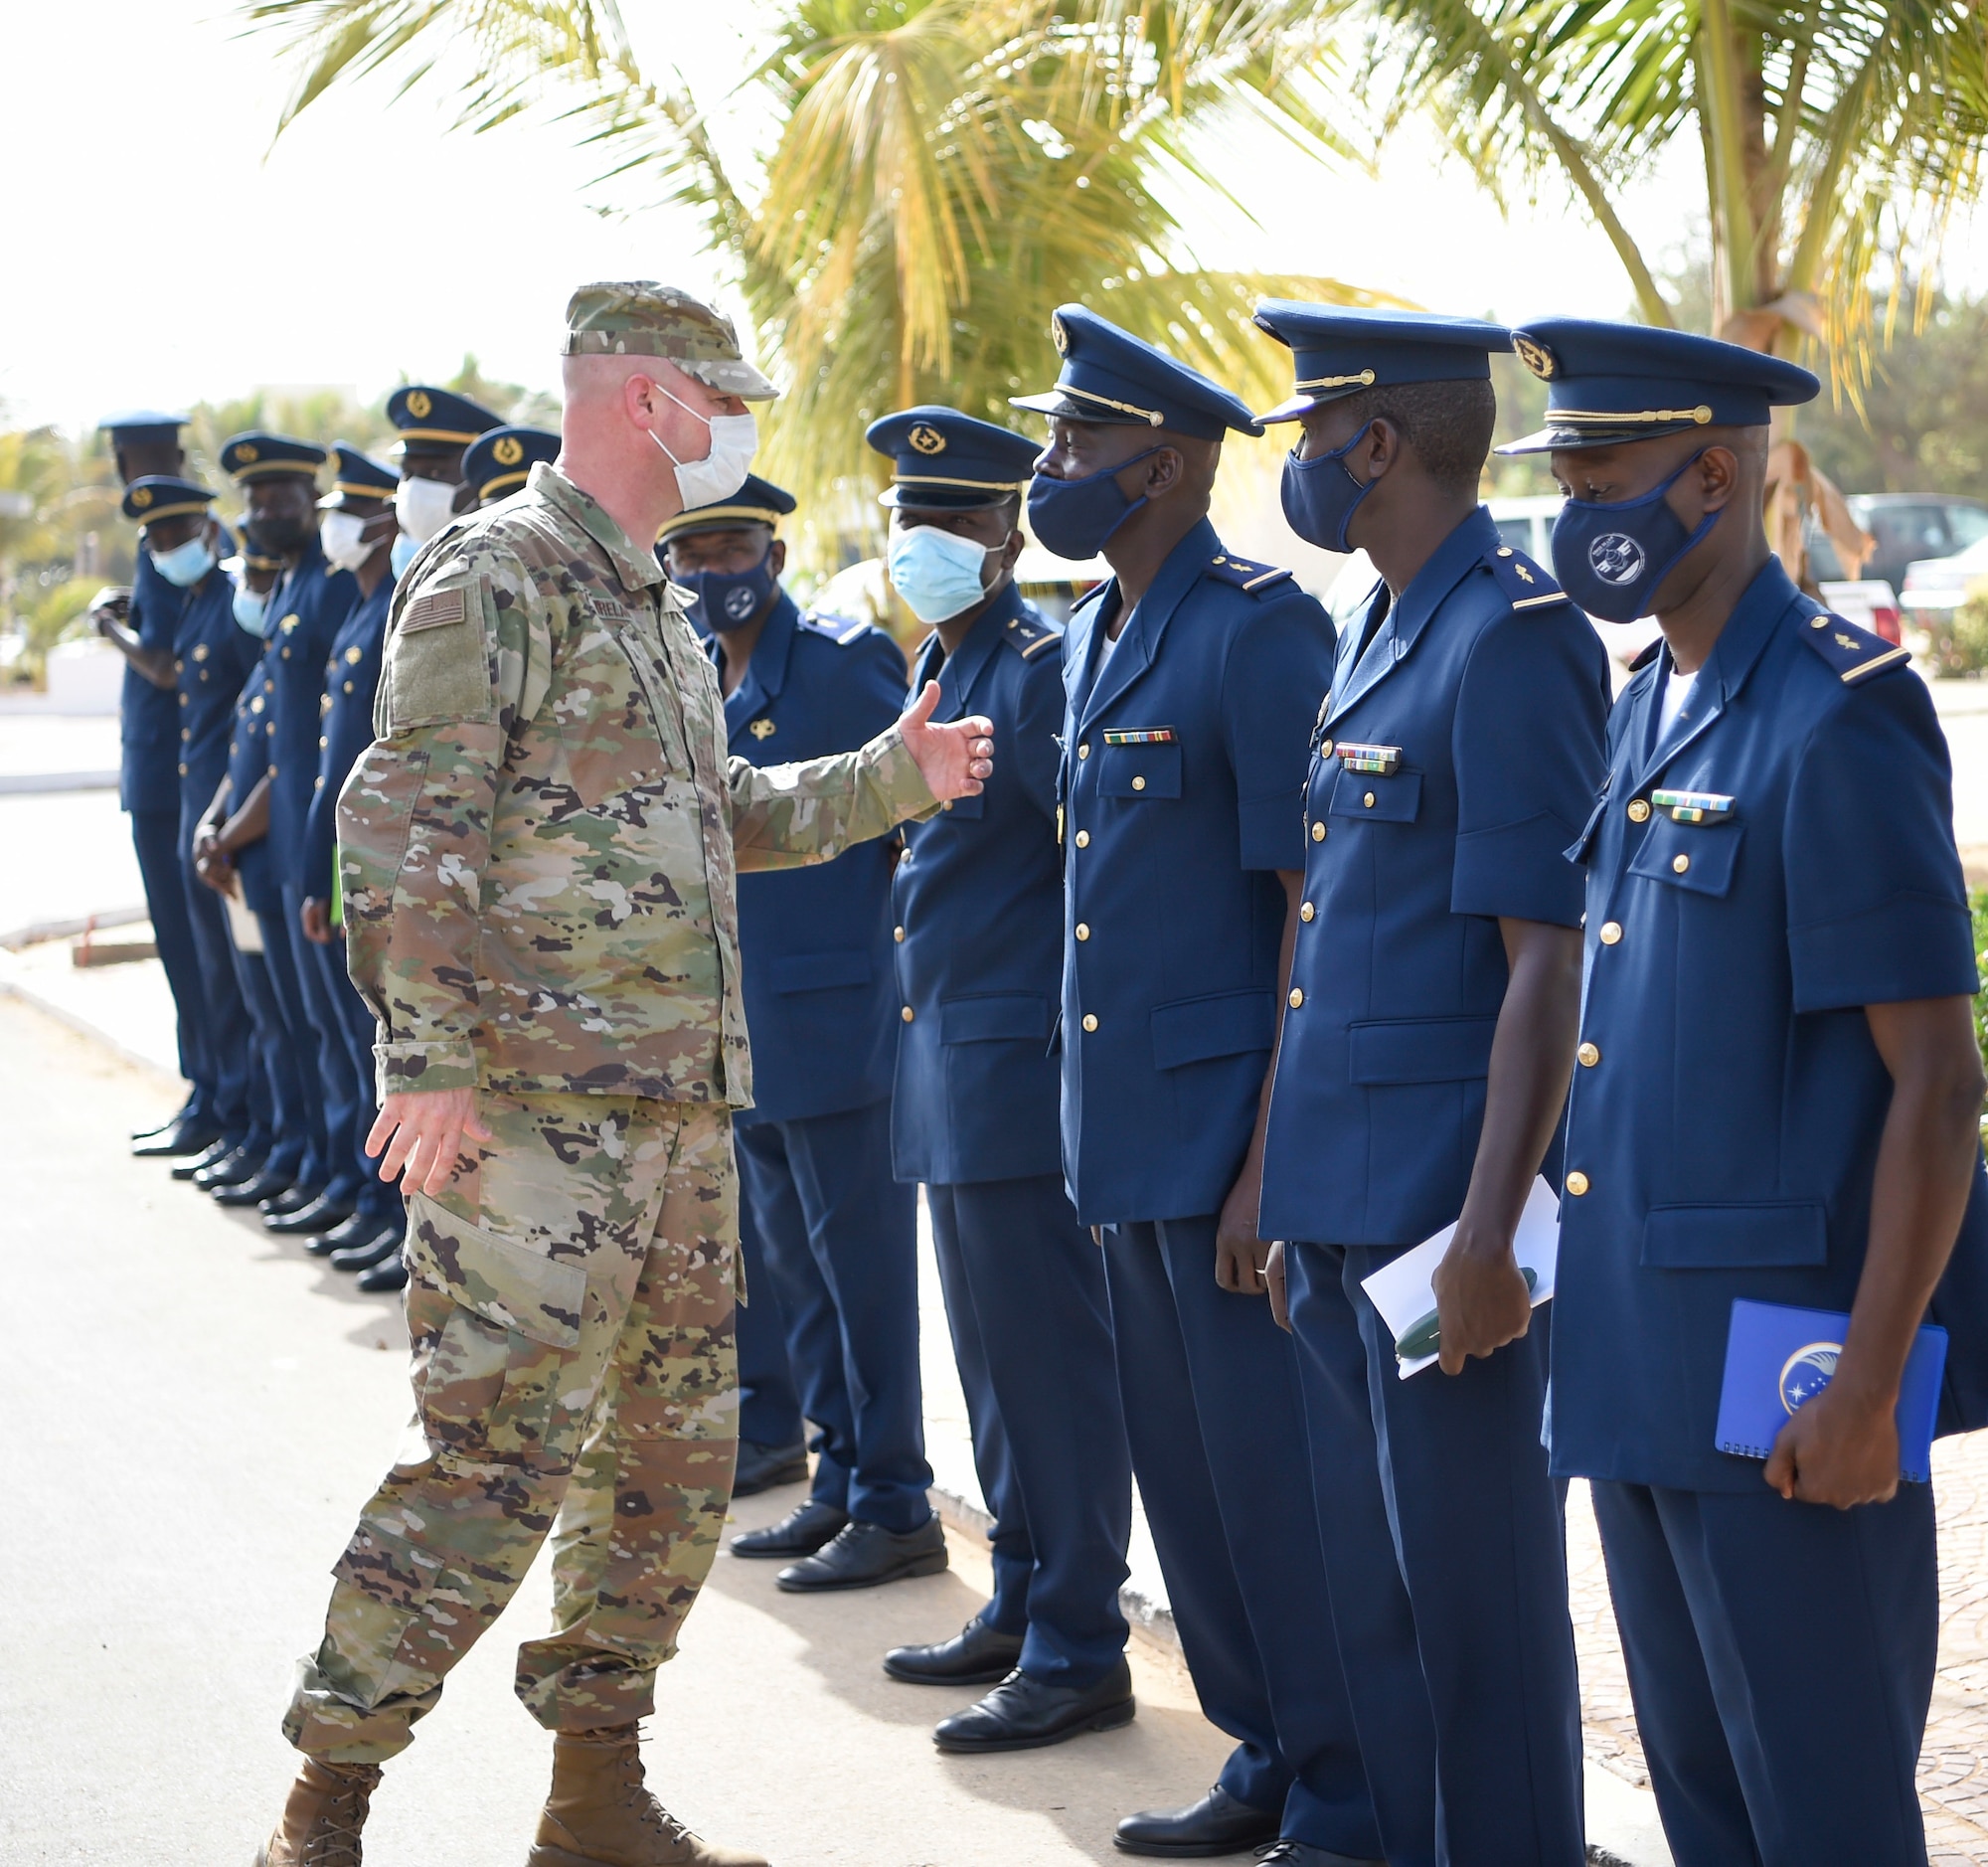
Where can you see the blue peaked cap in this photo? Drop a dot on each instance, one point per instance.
(758, 502)
(437, 421)
(258, 456)
(1339, 350)
(1109, 376)
(164, 496)
(942, 461)
(357, 476)
(498, 463)
(1608, 382)
(141, 426)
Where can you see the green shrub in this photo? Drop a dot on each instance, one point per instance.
(1960, 645)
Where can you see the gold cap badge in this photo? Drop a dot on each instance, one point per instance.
(508, 451)
(419, 404)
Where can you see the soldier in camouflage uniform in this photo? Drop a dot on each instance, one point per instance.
(539, 863)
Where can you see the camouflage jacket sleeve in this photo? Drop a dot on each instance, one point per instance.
(414, 816)
(787, 815)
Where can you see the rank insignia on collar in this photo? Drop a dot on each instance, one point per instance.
(1382, 760)
(763, 729)
(1693, 806)
(1142, 736)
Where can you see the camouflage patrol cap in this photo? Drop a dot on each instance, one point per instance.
(641, 318)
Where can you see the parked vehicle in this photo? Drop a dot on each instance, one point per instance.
(1907, 526)
(1936, 586)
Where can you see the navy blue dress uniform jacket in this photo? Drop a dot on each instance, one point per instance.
(815, 943)
(1183, 780)
(978, 908)
(1725, 1113)
(251, 747)
(148, 717)
(1449, 770)
(351, 679)
(309, 605)
(212, 657)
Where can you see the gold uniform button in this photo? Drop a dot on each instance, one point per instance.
(1318, 832)
(185, 700)
(183, 770)
(1368, 800)
(1084, 929)
(1090, 1020)
(1577, 1183)
(1084, 839)
(1138, 783)
(947, 805)
(1298, 996)
(1639, 810)
(1680, 864)
(1611, 931)
(908, 1014)
(1084, 748)
(1590, 1055)
(1307, 913)
(1325, 748)
(898, 934)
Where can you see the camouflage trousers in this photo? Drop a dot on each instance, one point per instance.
(571, 1308)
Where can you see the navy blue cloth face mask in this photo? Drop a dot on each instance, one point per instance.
(1074, 518)
(1320, 495)
(1610, 558)
(723, 601)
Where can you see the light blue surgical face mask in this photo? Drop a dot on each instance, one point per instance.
(184, 565)
(252, 610)
(404, 551)
(937, 573)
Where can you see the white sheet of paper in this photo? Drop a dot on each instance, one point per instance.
(1403, 1292)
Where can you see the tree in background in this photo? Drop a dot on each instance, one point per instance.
(936, 176)
(1838, 136)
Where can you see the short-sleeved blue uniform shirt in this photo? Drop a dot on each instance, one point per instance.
(148, 723)
(815, 942)
(977, 910)
(351, 680)
(1458, 755)
(251, 745)
(309, 603)
(1781, 859)
(1183, 778)
(212, 656)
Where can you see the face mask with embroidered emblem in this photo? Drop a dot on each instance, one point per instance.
(723, 600)
(1610, 557)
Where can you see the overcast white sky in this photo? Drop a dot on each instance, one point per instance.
(158, 250)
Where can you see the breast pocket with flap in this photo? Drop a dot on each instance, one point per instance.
(1395, 798)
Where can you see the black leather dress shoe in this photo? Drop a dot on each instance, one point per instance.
(159, 1128)
(1290, 1853)
(319, 1217)
(390, 1273)
(761, 1468)
(1217, 1824)
(801, 1532)
(179, 1139)
(866, 1556)
(975, 1655)
(252, 1191)
(1023, 1714)
(232, 1169)
(216, 1150)
(300, 1195)
(362, 1249)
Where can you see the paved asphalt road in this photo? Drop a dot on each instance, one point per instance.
(198, 1412)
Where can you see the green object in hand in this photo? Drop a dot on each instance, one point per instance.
(1427, 1335)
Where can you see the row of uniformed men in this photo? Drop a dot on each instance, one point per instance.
(248, 696)
(1212, 961)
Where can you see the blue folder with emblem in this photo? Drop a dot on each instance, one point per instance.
(1778, 1357)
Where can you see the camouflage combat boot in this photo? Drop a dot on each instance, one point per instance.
(598, 1814)
(323, 1817)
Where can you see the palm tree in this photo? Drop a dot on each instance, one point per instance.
(1838, 137)
(939, 175)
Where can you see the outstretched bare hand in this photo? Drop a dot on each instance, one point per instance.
(955, 757)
